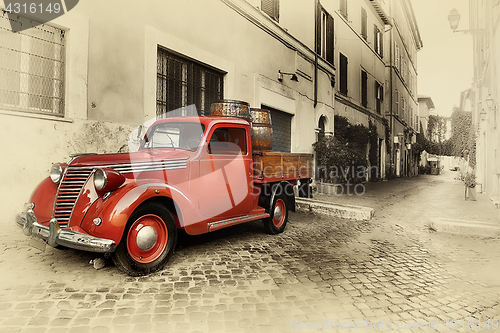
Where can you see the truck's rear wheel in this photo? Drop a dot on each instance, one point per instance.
(148, 240)
(276, 223)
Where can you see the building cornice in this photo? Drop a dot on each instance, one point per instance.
(380, 11)
(342, 99)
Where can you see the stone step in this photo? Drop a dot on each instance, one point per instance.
(465, 227)
(332, 209)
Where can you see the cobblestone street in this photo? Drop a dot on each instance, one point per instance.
(322, 273)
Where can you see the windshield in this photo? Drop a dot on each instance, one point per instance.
(182, 135)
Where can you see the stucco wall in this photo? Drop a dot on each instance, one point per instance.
(33, 145)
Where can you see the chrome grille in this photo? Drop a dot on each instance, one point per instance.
(69, 189)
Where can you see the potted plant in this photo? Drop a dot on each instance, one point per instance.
(470, 185)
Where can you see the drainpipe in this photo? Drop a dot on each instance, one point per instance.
(391, 116)
(316, 32)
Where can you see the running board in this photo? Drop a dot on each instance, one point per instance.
(235, 220)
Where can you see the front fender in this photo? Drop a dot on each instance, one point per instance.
(43, 197)
(115, 210)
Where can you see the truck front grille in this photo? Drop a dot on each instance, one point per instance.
(68, 192)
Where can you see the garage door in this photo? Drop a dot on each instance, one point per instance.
(282, 129)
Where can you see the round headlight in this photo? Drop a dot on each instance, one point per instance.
(56, 172)
(100, 179)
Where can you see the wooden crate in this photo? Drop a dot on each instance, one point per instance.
(275, 166)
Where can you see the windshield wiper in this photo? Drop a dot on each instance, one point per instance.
(171, 141)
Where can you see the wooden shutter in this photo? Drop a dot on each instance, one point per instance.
(364, 88)
(343, 74)
(381, 43)
(319, 13)
(343, 7)
(329, 39)
(271, 8)
(364, 28)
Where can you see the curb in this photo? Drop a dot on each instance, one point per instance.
(465, 227)
(338, 210)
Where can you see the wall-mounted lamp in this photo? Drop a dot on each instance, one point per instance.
(293, 78)
(332, 81)
(454, 19)
(490, 102)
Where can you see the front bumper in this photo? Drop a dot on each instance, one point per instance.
(53, 235)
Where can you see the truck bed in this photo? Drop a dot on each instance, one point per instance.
(276, 166)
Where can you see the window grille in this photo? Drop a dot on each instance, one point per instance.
(182, 82)
(271, 8)
(32, 66)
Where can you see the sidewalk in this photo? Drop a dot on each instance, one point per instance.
(442, 195)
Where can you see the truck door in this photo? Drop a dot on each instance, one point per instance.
(225, 177)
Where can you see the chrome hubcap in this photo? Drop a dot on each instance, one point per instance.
(146, 238)
(277, 212)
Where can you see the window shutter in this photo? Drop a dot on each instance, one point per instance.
(379, 97)
(271, 8)
(318, 28)
(343, 74)
(396, 50)
(343, 8)
(364, 28)
(381, 43)
(364, 88)
(329, 39)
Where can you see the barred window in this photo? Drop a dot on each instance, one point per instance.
(182, 82)
(32, 66)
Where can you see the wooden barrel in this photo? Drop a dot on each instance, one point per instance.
(262, 130)
(230, 108)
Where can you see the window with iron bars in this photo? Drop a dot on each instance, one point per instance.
(32, 66)
(182, 82)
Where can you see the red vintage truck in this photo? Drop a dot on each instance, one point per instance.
(199, 174)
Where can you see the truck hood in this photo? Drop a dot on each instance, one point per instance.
(138, 158)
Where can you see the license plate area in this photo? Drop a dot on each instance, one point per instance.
(37, 243)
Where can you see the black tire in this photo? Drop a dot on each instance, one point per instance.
(141, 254)
(276, 223)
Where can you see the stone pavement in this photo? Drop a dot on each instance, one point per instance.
(327, 274)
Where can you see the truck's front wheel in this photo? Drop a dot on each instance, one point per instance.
(276, 223)
(148, 240)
